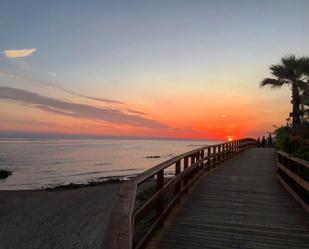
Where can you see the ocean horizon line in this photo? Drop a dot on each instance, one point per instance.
(55, 135)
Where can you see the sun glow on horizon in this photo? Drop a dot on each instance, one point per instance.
(149, 73)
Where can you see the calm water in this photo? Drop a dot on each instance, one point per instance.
(38, 163)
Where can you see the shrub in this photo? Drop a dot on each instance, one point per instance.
(293, 141)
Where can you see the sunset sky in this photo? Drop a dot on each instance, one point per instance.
(187, 69)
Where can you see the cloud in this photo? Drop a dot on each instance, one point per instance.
(93, 98)
(19, 52)
(136, 112)
(76, 110)
(59, 87)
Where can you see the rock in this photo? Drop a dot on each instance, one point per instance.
(152, 156)
(4, 173)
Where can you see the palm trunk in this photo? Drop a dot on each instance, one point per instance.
(296, 104)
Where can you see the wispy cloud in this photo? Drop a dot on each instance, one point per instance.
(19, 52)
(59, 87)
(76, 110)
(136, 112)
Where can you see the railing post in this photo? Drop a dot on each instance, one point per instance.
(288, 165)
(217, 155)
(192, 157)
(217, 149)
(224, 151)
(214, 157)
(197, 158)
(202, 158)
(278, 157)
(177, 172)
(160, 183)
(208, 160)
(227, 151)
(192, 161)
(185, 166)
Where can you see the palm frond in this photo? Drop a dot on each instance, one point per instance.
(273, 83)
(290, 62)
(280, 71)
(304, 100)
(303, 86)
(304, 64)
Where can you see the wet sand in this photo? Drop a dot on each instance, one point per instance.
(63, 219)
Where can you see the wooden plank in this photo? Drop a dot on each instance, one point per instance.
(241, 205)
(119, 231)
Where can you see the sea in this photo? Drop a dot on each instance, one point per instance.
(42, 163)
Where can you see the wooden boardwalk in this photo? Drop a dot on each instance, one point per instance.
(241, 204)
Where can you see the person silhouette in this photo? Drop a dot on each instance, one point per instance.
(263, 141)
(270, 140)
(258, 141)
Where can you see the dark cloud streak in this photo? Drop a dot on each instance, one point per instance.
(76, 110)
(59, 87)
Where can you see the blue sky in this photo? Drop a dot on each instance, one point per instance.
(135, 51)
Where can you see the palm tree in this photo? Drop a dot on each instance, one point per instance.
(304, 100)
(294, 72)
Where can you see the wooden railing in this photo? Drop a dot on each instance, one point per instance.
(132, 221)
(293, 173)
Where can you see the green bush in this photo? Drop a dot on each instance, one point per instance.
(293, 141)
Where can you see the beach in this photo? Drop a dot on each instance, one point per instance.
(62, 219)
(72, 215)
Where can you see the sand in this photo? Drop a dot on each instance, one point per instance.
(63, 219)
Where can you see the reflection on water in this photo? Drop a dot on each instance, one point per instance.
(38, 163)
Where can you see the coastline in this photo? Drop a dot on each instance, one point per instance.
(74, 218)
(100, 182)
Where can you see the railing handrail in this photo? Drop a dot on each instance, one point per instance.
(293, 173)
(296, 159)
(155, 169)
(119, 230)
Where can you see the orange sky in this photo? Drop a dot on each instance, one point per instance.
(189, 69)
(184, 115)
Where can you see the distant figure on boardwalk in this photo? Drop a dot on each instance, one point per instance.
(263, 141)
(270, 140)
(258, 141)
